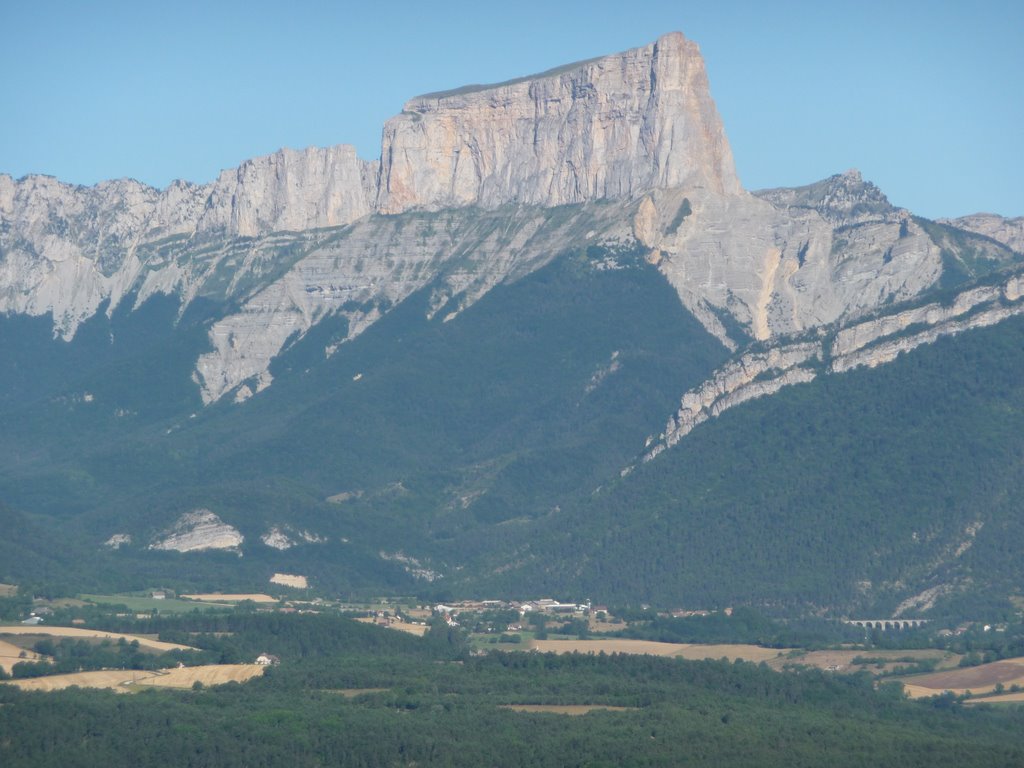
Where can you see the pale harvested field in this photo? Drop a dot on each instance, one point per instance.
(8, 590)
(290, 580)
(842, 661)
(212, 674)
(124, 680)
(114, 679)
(980, 679)
(1003, 698)
(413, 629)
(652, 648)
(41, 629)
(564, 709)
(12, 654)
(219, 597)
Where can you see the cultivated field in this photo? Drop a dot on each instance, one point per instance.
(564, 709)
(290, 580)
(12, 654)
(401, 626)
(76, 632)
(148, 604)
(218, 597)
(212, 674)
(125, 680)
(652, 648)
(8, 590)
(114, 679)
(1003, 698)
(842, 661)
(980, 679)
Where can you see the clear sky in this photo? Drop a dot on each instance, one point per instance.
(925, 98)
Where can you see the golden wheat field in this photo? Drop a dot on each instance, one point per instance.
(11, 654)
(145, 642)
(980, 679)
(221, 597)
(211, 674)
(401, 626)
(290, 580)
(125, 680)
(113, 679)
(653, 648)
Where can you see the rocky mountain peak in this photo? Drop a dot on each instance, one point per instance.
(845, 198)
(611, 127)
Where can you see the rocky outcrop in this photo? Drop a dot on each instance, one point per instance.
(869, 343)
(199, 530)
(282, 538)
(1009, 232)
(747, 378)
(613, 127)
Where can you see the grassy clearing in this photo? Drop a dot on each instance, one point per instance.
(149, 604)
(351, 693)
(75, 632)
(565, 709)
(218, 597)
(8, 590)
(650, 647)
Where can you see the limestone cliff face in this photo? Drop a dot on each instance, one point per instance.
(65, 249)
(788, 262)
(613, 127)
(288, 190)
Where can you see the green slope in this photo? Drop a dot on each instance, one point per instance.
(851, 492)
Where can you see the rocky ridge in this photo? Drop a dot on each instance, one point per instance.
(479, 186)
(866, 344)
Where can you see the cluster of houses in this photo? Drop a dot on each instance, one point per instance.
(545, 605)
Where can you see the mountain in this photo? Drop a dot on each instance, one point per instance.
(488, 357)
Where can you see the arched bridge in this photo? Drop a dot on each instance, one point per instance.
(887, 624)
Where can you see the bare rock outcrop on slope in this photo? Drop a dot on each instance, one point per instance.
(199, 530)
(1009, 232)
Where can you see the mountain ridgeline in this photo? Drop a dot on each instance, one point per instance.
(544, 343)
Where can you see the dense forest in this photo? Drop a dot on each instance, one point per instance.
(349, 694)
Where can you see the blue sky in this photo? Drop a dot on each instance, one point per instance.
(925, 98)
